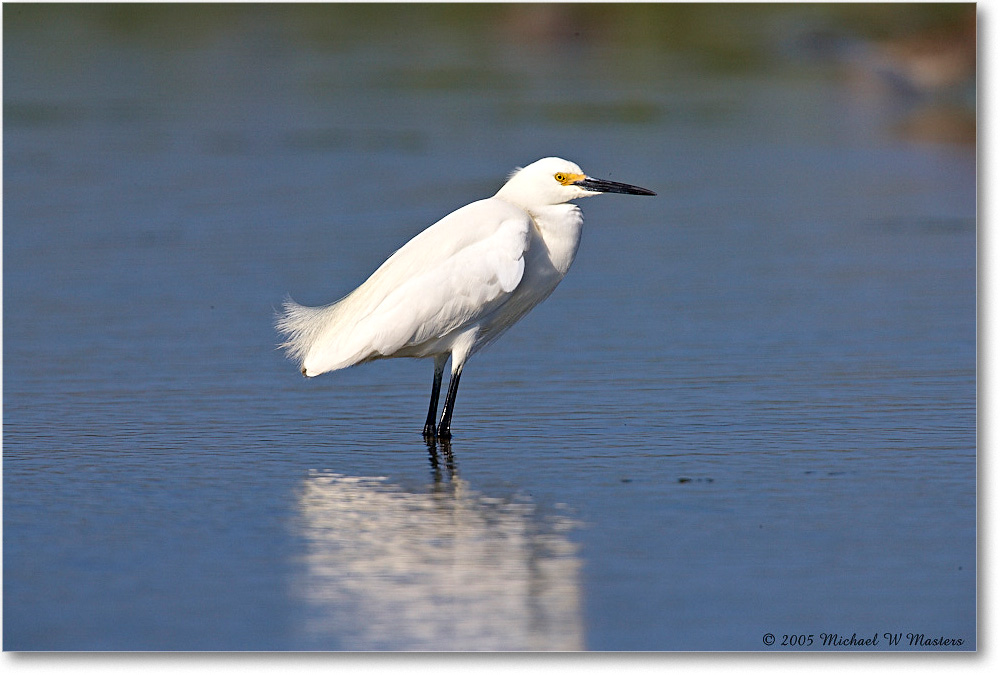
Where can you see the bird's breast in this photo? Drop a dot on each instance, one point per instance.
(559, 227)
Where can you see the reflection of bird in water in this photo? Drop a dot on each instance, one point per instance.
(458, 285)
(386, 569)
(433, 445)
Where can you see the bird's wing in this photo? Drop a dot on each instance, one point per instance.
(462, 267)
(454, 290)
(460, 229)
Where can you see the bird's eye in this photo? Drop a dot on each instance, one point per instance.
(561, 177)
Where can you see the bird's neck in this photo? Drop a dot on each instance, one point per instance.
(560, 226)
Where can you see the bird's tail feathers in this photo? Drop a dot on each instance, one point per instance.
(306, 331)
(300, 326)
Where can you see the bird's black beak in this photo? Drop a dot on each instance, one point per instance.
(596, 185)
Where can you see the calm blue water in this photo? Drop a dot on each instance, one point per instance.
(749, 409)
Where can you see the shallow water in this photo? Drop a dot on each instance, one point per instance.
(749, 408)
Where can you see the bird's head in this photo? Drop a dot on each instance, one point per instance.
(556, 181)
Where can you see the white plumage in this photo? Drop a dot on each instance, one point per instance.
(456, 286)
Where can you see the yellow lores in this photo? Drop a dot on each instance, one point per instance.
(456, 286)
(569, 178)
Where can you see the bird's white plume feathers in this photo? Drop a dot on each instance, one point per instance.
(305, 327)
(454, 273)
(300, 326)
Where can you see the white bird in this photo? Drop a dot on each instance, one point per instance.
(457, 286)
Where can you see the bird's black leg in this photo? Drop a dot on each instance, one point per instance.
(430, 431)
(444, 427)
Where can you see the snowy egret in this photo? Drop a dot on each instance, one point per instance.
(457, 286)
